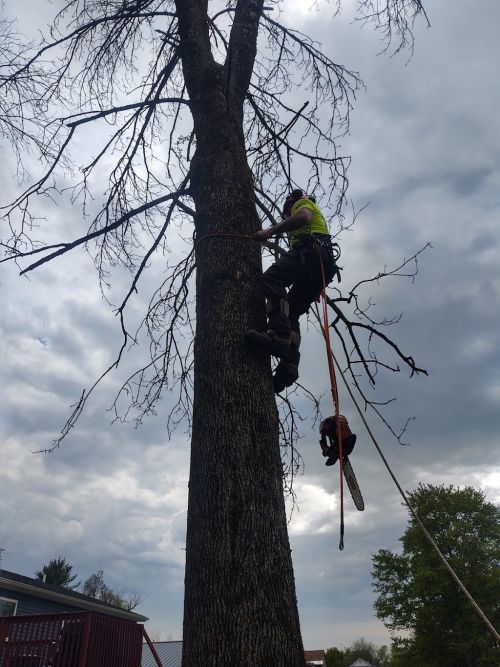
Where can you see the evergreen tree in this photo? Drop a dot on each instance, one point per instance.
(59, 573)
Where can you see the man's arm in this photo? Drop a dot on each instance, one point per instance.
(299, 219)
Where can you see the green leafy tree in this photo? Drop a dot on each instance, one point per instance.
(95, 587)
(59, 573)
(334, 657)
(417, 595)
(379, 656)
(375, 655)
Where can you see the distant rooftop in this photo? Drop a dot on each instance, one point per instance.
(315, 658)
(170, 654)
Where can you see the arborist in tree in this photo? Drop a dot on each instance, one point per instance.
(304, 269)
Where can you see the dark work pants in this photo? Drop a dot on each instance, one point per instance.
(300, 270)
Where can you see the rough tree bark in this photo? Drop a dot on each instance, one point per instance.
(240, 603)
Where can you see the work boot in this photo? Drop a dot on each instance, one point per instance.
(279, 346)
(276, 339)
(287, 371)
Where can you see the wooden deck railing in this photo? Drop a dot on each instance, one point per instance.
(81, 639)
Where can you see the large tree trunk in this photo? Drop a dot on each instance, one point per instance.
(240, 603)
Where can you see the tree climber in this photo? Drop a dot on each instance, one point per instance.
(301, 269)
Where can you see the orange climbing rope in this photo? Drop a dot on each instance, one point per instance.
(325, 328)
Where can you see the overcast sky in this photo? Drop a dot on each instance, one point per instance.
(425, 142)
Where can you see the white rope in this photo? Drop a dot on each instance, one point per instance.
(431, 541)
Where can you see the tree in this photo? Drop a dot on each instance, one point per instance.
(59, 573)
(95, 587)
(379, 656)
(334, 657)
(417, 595)
(205, 129)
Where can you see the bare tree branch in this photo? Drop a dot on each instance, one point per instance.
(96, 76)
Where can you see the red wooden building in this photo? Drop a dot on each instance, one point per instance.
(49, 626)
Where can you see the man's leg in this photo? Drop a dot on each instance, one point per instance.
(287, 370)
(300, 297)
(276, 339)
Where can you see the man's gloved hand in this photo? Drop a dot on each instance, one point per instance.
(264, 234)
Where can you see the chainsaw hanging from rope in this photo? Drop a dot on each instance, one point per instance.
(331, 449)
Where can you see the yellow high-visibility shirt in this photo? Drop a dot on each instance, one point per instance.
(317, 225)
